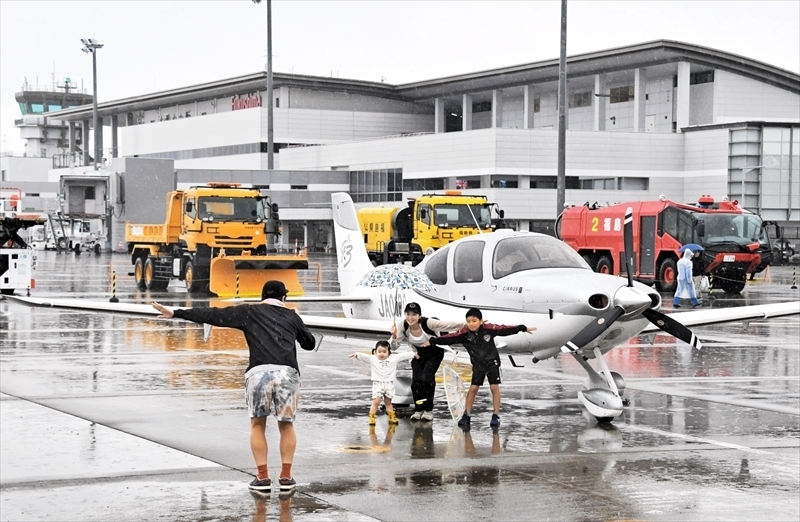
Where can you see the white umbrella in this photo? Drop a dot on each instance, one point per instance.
(399, 277)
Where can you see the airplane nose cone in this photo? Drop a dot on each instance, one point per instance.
(631, 300)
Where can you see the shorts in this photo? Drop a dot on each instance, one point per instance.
(272, 388)
(383, 389)
(490, 373)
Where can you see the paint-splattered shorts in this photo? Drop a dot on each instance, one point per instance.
(274, 389)
(383, 389)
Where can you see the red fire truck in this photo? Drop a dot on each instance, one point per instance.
(735, 240)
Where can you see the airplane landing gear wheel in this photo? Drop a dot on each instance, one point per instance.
(604, 420)
(626, 402)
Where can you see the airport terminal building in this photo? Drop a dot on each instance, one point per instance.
(660, 117)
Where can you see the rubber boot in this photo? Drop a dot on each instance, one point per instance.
(392, 417)
(372, 419)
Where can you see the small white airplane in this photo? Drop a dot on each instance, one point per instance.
(532, 279)
(514, 278)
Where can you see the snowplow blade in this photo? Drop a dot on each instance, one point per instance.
(252, 272)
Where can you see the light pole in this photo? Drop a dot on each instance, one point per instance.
(561, 173)
(270, 102)
(745, 170)
(91, 45)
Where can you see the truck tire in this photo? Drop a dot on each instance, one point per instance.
(604, 266)
(151, 282)
(138, 273)
(96, 249)
(733, 286)
(77, 248)
(195, 282)
(668, 275)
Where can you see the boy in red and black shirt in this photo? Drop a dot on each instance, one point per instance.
(478, 339)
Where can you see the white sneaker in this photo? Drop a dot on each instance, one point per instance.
(427, 416)
(417, 415)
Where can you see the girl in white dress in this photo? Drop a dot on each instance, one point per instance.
(384, 370)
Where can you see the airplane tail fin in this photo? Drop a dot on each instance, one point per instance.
(353, 261)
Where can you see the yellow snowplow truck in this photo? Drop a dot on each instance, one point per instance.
(216, 239)
(407, 234)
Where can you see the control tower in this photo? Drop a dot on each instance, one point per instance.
(46, 137)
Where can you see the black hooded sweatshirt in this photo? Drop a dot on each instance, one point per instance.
(270, 330)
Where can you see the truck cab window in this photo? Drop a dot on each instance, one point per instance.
(425, 214)
(468, 262)
(230, 209)
(190, 209)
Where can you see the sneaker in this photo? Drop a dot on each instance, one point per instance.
(287, 483)
(699, 303)
(417, 415)
(260, 485)
(427, 416)
(463, 422)
(495, 422)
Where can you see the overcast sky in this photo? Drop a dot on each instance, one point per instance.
(156, 45)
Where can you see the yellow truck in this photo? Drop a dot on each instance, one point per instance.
(215, 238)
(429, 222)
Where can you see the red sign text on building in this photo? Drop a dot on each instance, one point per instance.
(246, 101)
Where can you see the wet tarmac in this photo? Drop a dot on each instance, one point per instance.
(109, 417)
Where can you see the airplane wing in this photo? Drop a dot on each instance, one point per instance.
(307, 299)
(85, 304)
(727, 315)
(368, 329)
(342, 327)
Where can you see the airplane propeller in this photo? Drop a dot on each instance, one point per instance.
(594, 329)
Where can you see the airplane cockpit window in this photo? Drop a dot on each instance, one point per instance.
(525, 253)
(436, 266)
(468, 262)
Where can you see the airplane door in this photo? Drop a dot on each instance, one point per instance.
(647, 245)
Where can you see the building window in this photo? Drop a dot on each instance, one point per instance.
(485, 106)
(376, 185)
(88, 193)
(505, 182)
(622, 94)
(744, 161)
(580, 99)
(620, 183)
(423, 184)
(299, 187)
(628, 183)
(551, 182)
(537, 104)
(468, 183)
(701, 77)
